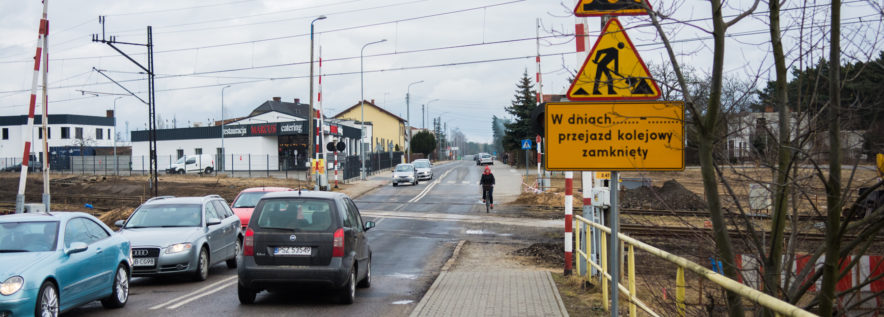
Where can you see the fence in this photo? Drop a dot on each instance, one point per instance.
(233, 165)
(584, 252)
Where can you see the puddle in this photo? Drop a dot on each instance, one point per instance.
(403, 302)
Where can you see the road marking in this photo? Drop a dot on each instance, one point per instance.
(513, 171)
(197, 292)
(429, 187)
(202, 295)
(452, 182)
(465, 182)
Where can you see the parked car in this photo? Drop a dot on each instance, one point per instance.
(32, 167)
(194, 164)
(486, 159)
(182, 236)
(245, 201)
(405, 173)
(478, 157)
(305, 239)
(423, 169)
(53, 262)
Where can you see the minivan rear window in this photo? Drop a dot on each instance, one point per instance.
(299, 214)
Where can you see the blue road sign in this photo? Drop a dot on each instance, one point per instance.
(526, 144)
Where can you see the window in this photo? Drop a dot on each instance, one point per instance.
(99, 133)
(222, 209)
(78, 133)
(39, 134)
(296, 214)
(212, 214)
(65, 132)
(351, 215)
(109, 135)
(6, 133)
(198, 151)
(180, 153)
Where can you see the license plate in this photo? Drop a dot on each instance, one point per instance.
(144, 262)
(291, 251)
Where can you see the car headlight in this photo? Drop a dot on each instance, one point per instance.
(11, 285)
(179, 247)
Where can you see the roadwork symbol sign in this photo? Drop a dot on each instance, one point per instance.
(613, 70)
(614, 136)
(591, 8)
(526, 144)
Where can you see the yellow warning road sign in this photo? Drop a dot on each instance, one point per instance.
(614, 136)
(613, 70)
(591, 8)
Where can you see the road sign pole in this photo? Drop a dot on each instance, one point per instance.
(586, 185)
(569, 222)
(614, 244)
(526, 163)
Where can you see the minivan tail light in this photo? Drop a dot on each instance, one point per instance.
(248, 245)
(338, 243)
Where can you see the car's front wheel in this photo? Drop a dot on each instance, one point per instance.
(202, 266)
(246, 295)
(231, 263)
(208, 170)
(47, 300)
(120, 294)
(348, 293)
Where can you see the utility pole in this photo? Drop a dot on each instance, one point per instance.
(408, 119)
(151, 98)
(311, 142)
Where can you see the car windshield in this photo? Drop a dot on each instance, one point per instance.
(181, 160)
(30, 236)
(166, 215)
(248, 199)
(421, 164)
(297, 214)
(403, 168)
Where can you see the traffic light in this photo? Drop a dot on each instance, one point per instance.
(538, 117)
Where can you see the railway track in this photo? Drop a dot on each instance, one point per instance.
(685, 213)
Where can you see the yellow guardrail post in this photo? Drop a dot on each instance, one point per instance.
(679, 292)
(631, 279)
(588, 252)
(604, 274)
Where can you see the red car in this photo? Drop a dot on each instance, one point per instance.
(245, 201)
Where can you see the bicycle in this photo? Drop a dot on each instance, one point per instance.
(487, 194)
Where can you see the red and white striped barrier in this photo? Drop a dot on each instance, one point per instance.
(32, 104)
(569, 222)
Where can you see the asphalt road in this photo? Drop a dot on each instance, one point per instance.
(408, 253)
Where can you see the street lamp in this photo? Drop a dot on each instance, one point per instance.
(116, 168)
(222, 129)
(310, 137)
(408, 118)
(426, 113)
(362, 106)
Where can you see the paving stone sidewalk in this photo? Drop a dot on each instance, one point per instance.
(500, 293)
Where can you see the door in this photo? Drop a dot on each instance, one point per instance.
(191, 165)
(215, 234)
(231, 226)
(360, 243)
(80, 274)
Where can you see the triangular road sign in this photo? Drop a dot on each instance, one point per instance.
(613, 70)
(591, 8)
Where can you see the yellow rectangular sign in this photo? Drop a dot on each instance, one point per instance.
(603, 175)
(614, 136)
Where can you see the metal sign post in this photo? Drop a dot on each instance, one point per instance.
(614, 243)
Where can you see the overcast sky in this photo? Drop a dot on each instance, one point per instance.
(469, 53)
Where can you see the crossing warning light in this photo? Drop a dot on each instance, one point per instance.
(613, 70)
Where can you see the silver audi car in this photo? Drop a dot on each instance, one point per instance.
(182, 236)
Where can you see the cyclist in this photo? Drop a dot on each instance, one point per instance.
(487, 184)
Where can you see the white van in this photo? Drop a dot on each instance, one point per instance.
(202, 163)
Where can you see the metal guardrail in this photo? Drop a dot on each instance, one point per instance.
(583, 250)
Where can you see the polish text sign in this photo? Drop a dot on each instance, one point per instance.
(615, 136)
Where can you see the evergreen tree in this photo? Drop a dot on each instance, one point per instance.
(423, 142)
(522, 106)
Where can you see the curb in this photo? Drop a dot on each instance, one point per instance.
(432, 290)
(555, 287)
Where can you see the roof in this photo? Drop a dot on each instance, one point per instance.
(40, 216)
(369, 104)
(58, 119)
(299, 110)
(267, 189)
(180, 200)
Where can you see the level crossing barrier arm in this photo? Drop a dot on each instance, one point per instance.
(778, 306)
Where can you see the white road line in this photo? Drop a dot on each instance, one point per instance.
(182, 303)
(195, 292)
(452, 182)
(429, 187)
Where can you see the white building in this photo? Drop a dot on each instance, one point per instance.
(64, 131)
(760, 127)
(273, 136)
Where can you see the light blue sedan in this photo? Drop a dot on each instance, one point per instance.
(53, 262)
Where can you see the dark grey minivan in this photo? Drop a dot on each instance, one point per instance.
(305, 238)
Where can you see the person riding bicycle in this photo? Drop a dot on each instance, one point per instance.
(487, 184)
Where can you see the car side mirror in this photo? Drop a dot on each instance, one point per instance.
(76, 247)
(119, 223)
(369, 225)
(213, 221)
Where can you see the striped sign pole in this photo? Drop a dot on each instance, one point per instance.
(569, 223)
(23, 177)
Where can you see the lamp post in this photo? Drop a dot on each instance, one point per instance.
(310, 137)
(362, 107)
(116, 168)
(222, 129)
(408, 119)
(426, 113)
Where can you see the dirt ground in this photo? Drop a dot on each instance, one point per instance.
(114, 198)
